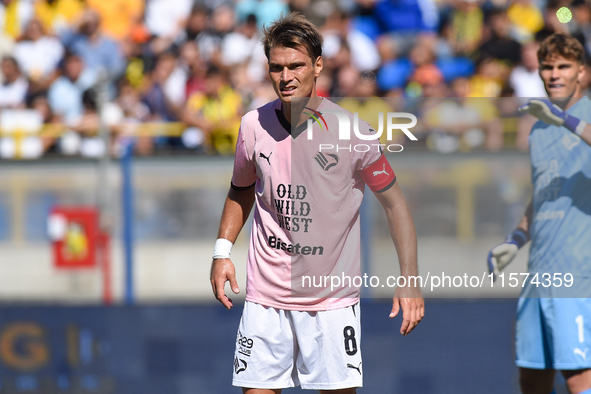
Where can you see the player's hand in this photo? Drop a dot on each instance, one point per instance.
(410, 300)
(222, 271)
(550, 113)
(499, 257)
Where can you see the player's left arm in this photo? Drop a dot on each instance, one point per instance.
(402, 230)
(550, 113)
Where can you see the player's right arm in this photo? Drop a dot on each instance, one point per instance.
(237, 207)
(501, 255)
(236, 210)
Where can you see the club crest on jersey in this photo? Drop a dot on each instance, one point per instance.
(326, 161)
(239, 365)
(570, 141)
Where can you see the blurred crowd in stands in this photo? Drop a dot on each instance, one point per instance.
(200, 65)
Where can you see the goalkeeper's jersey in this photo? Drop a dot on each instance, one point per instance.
(561, 176)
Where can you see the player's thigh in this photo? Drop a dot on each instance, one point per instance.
(536, 381)
(329, 345)
(343, 391)
(260, 391)
(569, 322)
(532, 344)
(577, 381)
(264, 354)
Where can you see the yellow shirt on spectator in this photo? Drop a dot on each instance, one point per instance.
(223, 112)
(61, 13)
(117, 16)
(526, 17)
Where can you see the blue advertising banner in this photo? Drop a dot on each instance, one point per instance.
(460, 347)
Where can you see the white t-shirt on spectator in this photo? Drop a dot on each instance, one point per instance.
(12, 95)
(39, 58)
(237, 48)
(175, 86)
(526, 83)
(163, 17)
(364, 53)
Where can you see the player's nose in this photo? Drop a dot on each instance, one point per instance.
(286, 75)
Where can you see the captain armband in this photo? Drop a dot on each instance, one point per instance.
(379, 176)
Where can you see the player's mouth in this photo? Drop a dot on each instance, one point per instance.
(288, 90)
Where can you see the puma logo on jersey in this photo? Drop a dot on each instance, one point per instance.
(376, 173)
(325, 162)
(354, 367)
(581, 353)
(266, 157)
(239, 365)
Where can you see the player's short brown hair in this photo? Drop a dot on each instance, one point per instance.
(563, 45)
(293, 31)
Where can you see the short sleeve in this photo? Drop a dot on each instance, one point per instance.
(368, 151)
(244, 174)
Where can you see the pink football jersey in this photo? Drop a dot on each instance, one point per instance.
(308, 189)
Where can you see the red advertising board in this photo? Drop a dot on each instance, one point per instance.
(74, 234)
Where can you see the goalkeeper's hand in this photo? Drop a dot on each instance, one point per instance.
(501, 255)
(551, 113)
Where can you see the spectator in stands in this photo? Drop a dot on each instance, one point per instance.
(464, 31)
(195, 66)
(196, 24)
(238, 46)
(464, 123)
(96, 50)
(13, 89)
(243, 47)
(57, 15)
(266, 11)
(501, 45)
(39, 102)
(216, 111)
(582, 19)
(337, 31)
(14, 16)
(405, 20)
(525, 77)
(93, 145)
(38, 54)
(425, 73)
(118, 17)
(526, 18)
(210, 41)
(167, 18)
(489, 78)
(65, 93)
(161, 97)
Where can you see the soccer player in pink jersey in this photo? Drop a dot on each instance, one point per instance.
(306, 222)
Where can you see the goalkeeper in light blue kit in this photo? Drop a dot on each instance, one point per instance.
(554, 332)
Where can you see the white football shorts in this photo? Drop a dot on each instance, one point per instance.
(278, 348)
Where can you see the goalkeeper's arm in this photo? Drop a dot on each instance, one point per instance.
(550, 113)
(501, 255)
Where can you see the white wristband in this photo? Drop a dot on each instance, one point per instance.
(222, 249)
(580, 128)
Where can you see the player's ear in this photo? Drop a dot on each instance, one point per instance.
(581, 73)
(318, 65)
